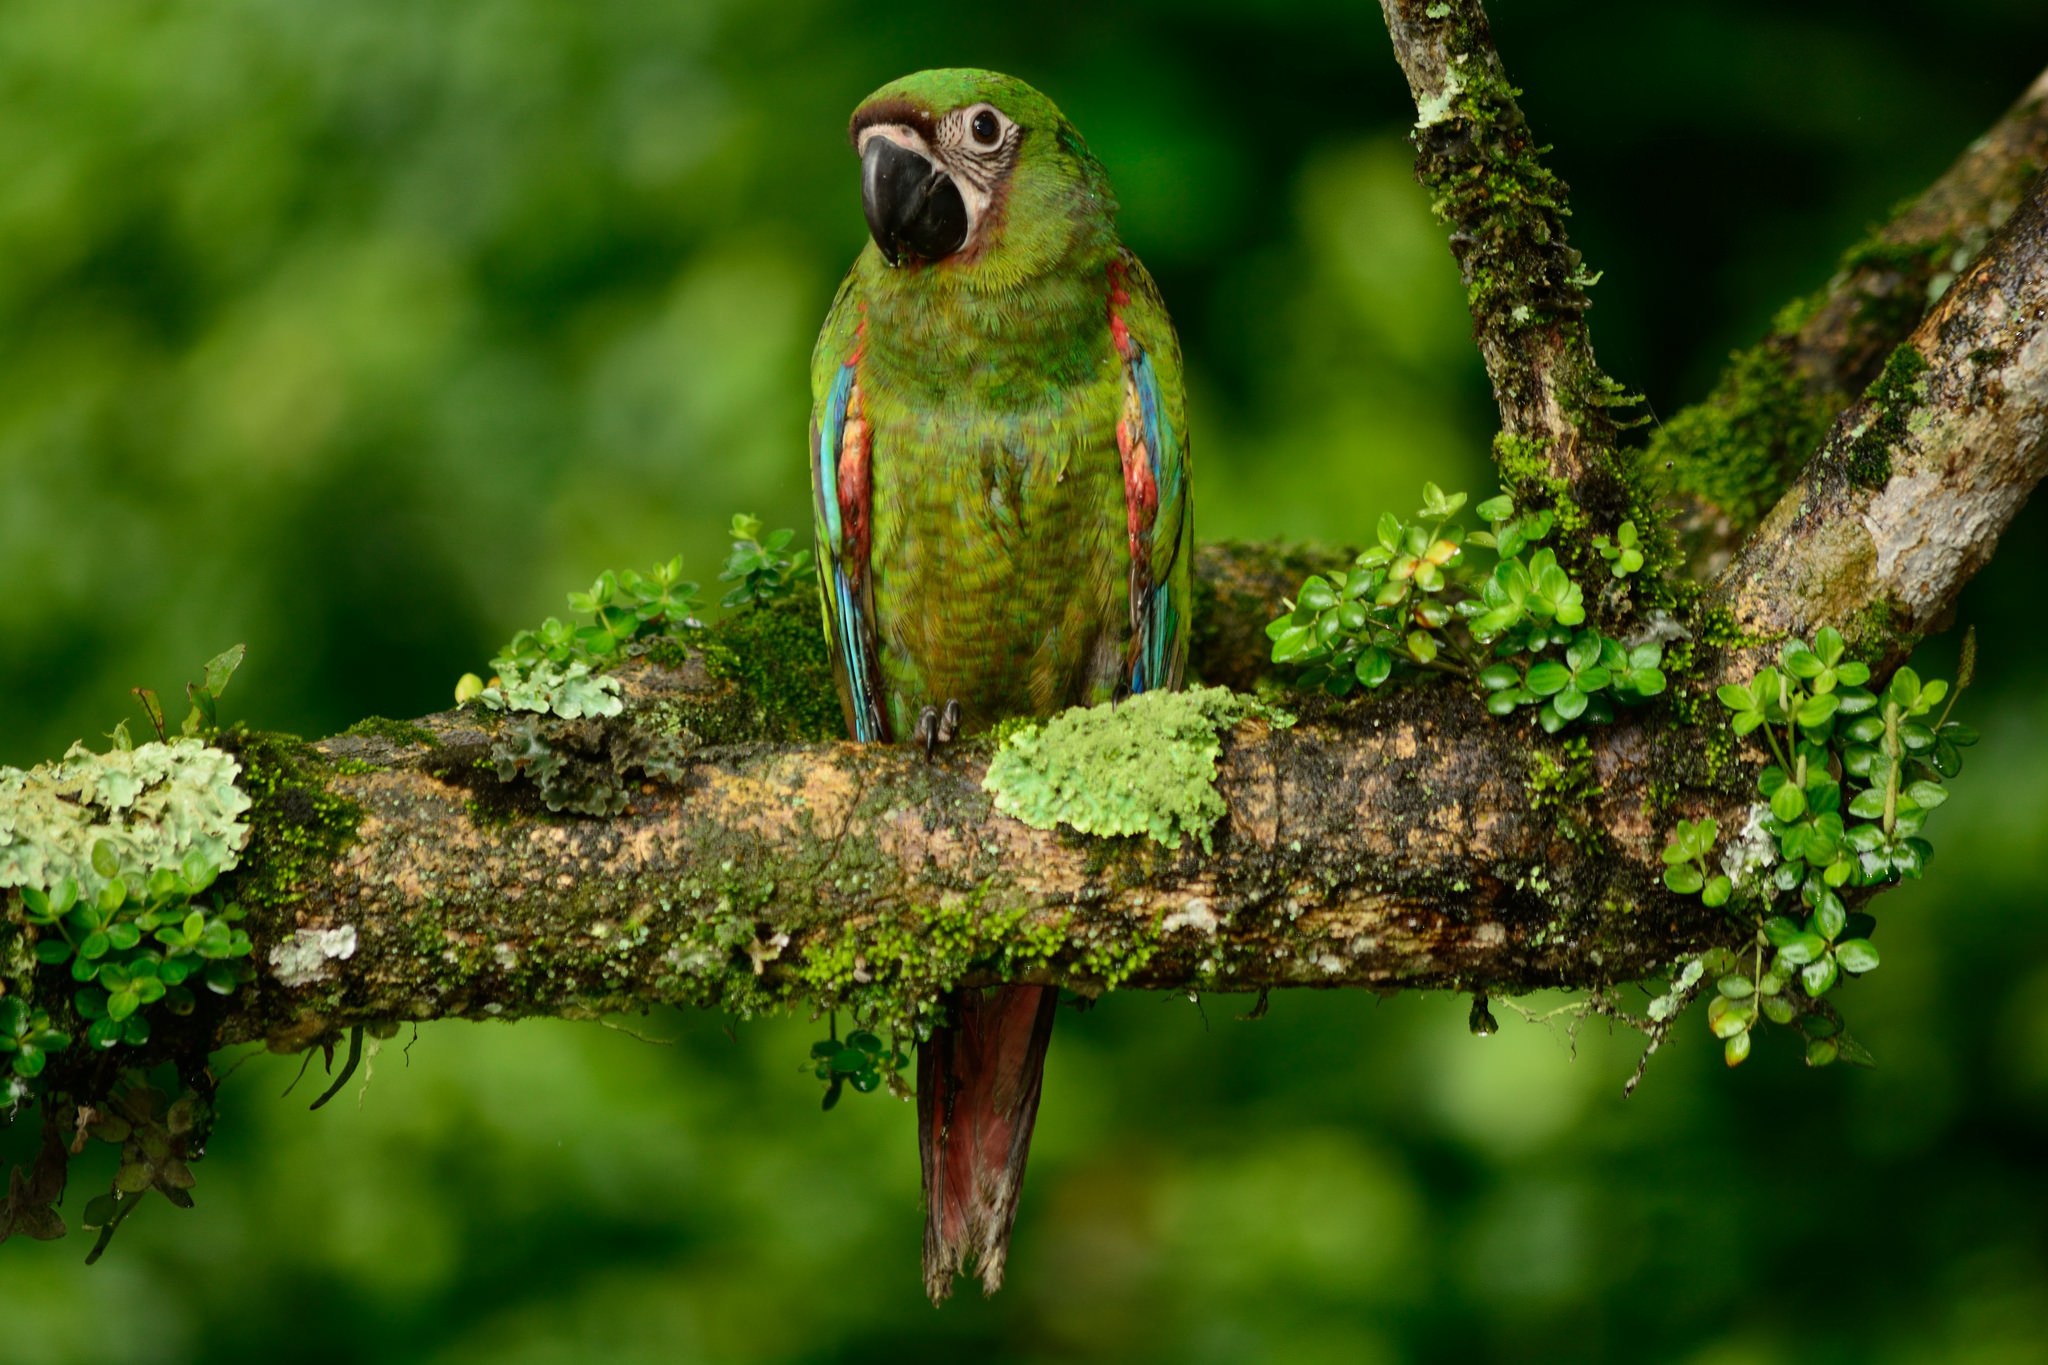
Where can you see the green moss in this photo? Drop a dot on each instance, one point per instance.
(1521, 461)
(402, 733)
(776, 657)
(1145, 766)
(299, 825)
(1742, 447)
(1561, 783)
(1892, 397)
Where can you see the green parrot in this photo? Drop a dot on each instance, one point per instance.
(999, 464)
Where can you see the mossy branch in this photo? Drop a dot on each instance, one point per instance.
(1916, 481)
(1412, 842)
(1525, 285)
(1727, 458)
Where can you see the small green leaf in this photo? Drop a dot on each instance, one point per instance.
(1927, 795)
(1685, 879)
(1857, 955)
(1495, 677)
(1800, 661)
(1815, 712)
(1802, 949)
(1548, 678)
(1788, 803)
(1726, 1018)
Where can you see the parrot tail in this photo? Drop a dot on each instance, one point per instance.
(977, 1097)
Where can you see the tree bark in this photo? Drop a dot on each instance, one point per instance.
(1916, 482)
(1775, 400)
(1525, 284)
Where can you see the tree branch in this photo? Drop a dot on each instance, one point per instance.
(1916, 482)
(1524, 284)
(1727, 458)
(1405, 843)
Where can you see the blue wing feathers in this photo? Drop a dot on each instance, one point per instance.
(847, 611)
(1154, 664)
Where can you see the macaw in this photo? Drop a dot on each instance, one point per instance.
(999, 463)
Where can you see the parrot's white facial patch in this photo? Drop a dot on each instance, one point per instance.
(975, 147)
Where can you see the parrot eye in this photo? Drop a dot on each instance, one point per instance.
(986, 128)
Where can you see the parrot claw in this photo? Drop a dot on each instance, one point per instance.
(936, 727)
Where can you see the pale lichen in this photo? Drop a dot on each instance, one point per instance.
(303, 959)
(571, 691)
(142, 808)
(1143, 766)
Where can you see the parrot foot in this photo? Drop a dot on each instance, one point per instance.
(936, 727)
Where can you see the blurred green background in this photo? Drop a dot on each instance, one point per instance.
(363, 332)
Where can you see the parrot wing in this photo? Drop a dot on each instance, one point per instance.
(1152, 439)
(842, 503)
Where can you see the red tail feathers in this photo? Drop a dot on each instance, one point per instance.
(977, 1097)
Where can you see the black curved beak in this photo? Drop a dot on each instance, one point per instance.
(914, 209)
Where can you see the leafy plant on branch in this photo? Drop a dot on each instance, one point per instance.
(623, 608)
(138, 943)
(761, 569)
(1510, 621)
(1852, 777)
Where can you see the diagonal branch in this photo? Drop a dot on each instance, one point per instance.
(1917, 481)
(1525, 285)
(1727, 458)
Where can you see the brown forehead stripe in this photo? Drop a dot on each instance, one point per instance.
(893, 111)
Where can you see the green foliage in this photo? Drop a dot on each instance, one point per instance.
(160, 1137)
(1511, 623)
(761, 571)
(1852, 777)
(27, 1038)
(862, 1060)
(1144, 766)
(768, 643)
(204, 717)
(624, 609)
(1624, 553)
(1685, 862)
(108, 857)
(131, 946)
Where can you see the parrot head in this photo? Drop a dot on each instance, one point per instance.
(977, 173)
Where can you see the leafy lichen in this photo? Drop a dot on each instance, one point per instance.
(150, 807)
(1144, 766)
(544, 687)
